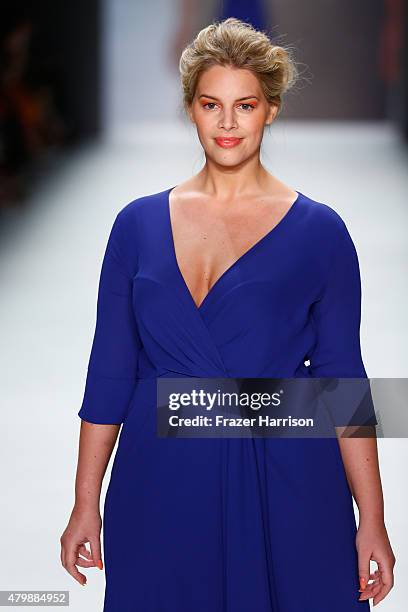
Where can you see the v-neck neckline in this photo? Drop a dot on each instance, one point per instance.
(230, 268)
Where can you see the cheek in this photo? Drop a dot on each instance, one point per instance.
(255, 122)
(206, 122)
(255, 129)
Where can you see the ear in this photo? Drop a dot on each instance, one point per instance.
(273, 109)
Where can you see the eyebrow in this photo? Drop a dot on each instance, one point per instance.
(238, 99)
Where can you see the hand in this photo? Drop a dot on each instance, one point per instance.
(84, 526)
(372, 543)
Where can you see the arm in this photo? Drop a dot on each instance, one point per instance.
(360, 458)
(337, 353)
(96, 443)
(110, 383)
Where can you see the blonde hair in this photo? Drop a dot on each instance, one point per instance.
(233, 42)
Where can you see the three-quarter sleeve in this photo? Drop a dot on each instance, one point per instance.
(337, 314)
(113, 362)
(337, 351)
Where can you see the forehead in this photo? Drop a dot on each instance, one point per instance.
(228, 82)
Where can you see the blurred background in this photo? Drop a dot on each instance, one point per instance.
(90, 119)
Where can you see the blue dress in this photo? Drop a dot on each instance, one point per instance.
(224, 524)
(254, 12)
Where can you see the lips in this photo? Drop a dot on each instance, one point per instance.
(227, 143)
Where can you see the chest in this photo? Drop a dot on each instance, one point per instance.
(207, 241)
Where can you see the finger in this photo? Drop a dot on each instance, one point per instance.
(370, 591)
(84, 562)
(82, 550)
(375, 576)
(75, 573)
(377, 589)
(369, 594)
(387, 579)
(64, 554)
(96, 551)
(372, 588)
(363, 568)
(70, 559)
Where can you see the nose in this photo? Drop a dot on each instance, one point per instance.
(227, 120)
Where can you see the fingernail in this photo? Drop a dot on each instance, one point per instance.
(84, 583)
(100, 564)
(362, 583)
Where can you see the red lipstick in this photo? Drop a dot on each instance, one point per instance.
(227, 142)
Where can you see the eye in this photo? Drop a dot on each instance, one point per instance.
(246, 106)
(204, 105)
(249, 108)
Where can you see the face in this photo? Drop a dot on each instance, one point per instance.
(230, 111)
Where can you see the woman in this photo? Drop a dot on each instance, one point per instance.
(229, 274)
